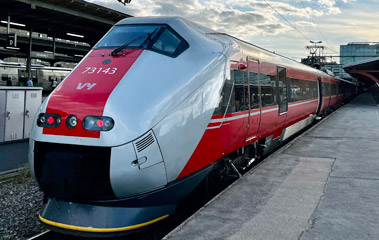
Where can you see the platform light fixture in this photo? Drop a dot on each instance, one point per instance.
(77, 55)
(75, 35)
(13, 48)
(13, 23)
(124, 1)
(315, 42)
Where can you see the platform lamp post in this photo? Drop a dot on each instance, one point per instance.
(54, 46)
(9, 24)
(316, 60)
(29, 60)
(315, 47)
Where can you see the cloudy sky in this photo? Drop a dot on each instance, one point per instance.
(272, 24)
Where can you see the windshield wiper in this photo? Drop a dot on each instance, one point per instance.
(120, 48)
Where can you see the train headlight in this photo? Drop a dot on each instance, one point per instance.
(71, 121)
(98, 123)
(48, 120)
(42, 119)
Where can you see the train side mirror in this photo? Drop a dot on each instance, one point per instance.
(242, 66)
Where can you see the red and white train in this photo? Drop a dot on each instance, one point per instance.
(152, 109)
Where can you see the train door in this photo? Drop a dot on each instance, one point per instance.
(327, 94)
(282, 85)
(238, 107)
(254, 92)
(330, 93)
(319, 83)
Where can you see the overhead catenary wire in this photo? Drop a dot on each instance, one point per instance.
(322, 35)
(326, 40)
(293, 26)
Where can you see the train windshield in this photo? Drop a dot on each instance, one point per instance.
(158, 38)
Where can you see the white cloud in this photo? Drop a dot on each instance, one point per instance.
(250, 20)
(329, 3)
(241, 18)
(284, 8)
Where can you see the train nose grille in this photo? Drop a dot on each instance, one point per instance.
(71, 172)
(145, 142)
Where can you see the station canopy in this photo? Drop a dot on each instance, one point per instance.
(75, 20)
(366, 71)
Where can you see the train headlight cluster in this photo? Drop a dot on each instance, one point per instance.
(95, 123)
(92, 123)
(48, 120)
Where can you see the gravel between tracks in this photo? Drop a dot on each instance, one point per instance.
(19, 206)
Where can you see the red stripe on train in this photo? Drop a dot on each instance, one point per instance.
(87, 89)
(217, 142)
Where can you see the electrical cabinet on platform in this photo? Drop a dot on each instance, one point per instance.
(18, 107)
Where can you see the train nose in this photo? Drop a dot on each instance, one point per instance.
(76, 172)
(137, 167)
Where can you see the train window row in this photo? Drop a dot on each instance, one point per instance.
(303, 90)
(332, 89)
(275, 90)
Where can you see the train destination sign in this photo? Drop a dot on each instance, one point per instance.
(12, 40)
(43, 55)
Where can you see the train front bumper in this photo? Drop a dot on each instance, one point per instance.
(85, 219)
(120, 216)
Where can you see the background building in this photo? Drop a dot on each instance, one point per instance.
(351, 53)
(358, 51)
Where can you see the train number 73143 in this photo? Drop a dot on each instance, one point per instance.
(95, 70)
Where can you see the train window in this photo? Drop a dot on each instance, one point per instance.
(254, 94)
(167, 42)
(239, 76)
(313, 89)
(326, 89)
(240, 90)
(289, 97)
(329, 89)
(303, 89)
(227, 99)
(268, 89)
(120, 35)
(282, 87)
(341, 89)
(158, 38)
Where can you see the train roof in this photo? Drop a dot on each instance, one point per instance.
(247, 48)
(272, 57)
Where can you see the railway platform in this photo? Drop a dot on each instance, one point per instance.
(13, 156)
(322, 185)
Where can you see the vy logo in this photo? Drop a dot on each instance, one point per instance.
(83, 85)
